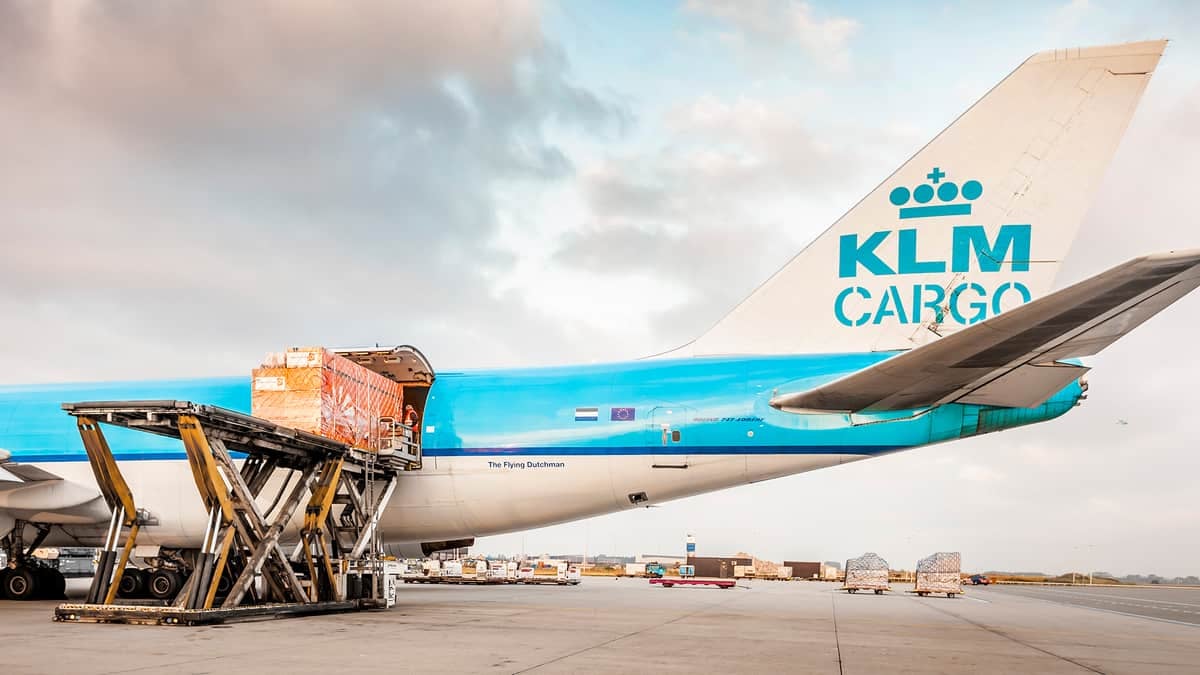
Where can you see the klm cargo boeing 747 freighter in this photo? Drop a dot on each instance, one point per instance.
(924, 314)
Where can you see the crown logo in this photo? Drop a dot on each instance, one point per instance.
(946, 193)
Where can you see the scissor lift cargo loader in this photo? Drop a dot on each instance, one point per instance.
(347, 490)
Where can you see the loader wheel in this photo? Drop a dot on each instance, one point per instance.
(878, 592)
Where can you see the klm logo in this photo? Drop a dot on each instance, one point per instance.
(973, 256)
(946, 192)
(971, 249)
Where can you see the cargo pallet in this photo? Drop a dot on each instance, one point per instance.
(336, 554)
(668, 582)
(949, 594)
(855, 589)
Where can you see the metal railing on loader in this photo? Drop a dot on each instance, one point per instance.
(347, 490)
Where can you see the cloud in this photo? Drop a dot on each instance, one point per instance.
(736, 186)
(768, 24)
(198, 177)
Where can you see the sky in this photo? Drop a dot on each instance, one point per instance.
(187, 186)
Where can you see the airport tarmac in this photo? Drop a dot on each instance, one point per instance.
(1169, 604)
(625, 625)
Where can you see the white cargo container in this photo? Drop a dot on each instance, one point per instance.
(433, 569)
(939, 573)
(783, 573)
(452, 569)
(497, 571)
(867, 572)
(743, 571)
(635, 569)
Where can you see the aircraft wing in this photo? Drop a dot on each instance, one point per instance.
(1014, 359)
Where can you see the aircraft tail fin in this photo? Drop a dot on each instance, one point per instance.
(977, 222)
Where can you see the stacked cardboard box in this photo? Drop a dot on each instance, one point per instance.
(867, 571)
(315, 390)
(939, 573)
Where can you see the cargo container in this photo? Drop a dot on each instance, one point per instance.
(743, 571)
(867, 572)
(717, 567)
(939, 573)
(783, 573)
(804, 570)
(635, 569)
(316, 390)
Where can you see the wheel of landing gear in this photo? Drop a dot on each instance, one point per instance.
(164, 584)
(49, 583)
(56, 585)
(133, 584)
(225, 583)
(20, 584)
(878, 592)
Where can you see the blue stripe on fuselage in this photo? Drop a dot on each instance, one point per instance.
(719, 406)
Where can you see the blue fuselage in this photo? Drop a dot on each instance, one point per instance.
(699, 406)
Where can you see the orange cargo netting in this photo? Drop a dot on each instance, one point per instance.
(315, 390)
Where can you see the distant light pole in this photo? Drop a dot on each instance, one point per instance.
(1091, 573)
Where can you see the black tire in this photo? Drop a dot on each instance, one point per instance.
(20, 584)
(164, 584)
(50, 583)
(225, 583)
(133, 583)
(878, 592)
(57, 586)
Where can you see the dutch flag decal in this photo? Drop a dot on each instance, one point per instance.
(587, 414)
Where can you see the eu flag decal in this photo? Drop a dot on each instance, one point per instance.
(623, 415)
(587, 414)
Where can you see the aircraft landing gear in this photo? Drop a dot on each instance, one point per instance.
(27, 578)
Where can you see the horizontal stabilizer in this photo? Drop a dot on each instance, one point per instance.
(1014, 359)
